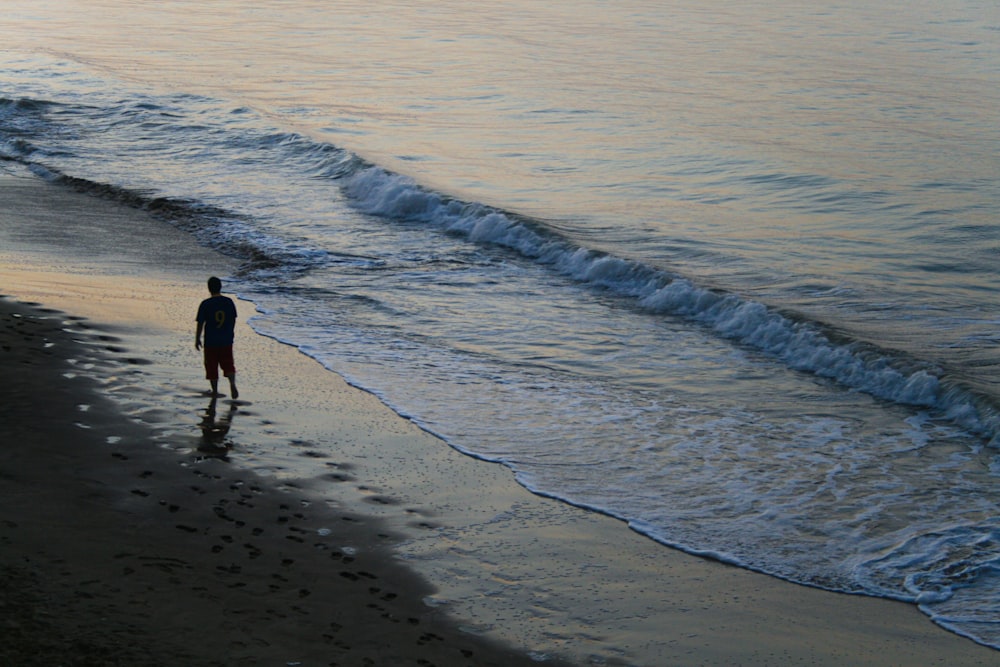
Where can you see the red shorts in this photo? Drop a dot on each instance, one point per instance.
(216, 358)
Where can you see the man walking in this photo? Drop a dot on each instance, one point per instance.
(217, 318)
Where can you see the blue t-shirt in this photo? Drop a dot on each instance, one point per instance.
(218, 314)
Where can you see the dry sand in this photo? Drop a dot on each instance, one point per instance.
(307, 523)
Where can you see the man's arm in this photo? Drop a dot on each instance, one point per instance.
(197, 335)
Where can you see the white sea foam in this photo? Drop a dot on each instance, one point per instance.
(802, 345)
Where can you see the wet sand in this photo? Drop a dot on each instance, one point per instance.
(128, 536)
(307, 523)
(116, 552)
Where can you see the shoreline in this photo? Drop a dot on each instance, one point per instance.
(120, 553)
(494, 563)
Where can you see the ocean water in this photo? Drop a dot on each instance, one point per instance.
(726, 273)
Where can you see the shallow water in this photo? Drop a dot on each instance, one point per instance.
(727, 274)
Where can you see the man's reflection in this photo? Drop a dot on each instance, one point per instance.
(215, 429)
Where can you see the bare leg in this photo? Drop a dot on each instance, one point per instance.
(215, 388)
(232, 387)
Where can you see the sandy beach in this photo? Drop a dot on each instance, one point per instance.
(144, 524)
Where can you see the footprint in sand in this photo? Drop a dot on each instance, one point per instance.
(381, 500)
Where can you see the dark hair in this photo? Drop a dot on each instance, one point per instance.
(214, 285)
